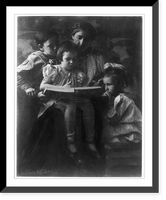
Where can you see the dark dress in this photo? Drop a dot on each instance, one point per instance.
(46, 145)
(46, 153)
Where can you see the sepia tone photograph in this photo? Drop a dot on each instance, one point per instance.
(79, 96)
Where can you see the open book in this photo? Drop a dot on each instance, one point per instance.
(72, 89)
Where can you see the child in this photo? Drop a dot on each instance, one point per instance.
(122, 119)
(29, 73)
(29, 77)
(67, 75)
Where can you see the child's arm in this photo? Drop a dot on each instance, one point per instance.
(48, 73)
(25, 73)
(26, 86)
(116, 111)
(49, 76)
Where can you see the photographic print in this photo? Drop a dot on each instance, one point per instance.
(83, 142)
(79, 93)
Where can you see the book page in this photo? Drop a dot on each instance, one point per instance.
(59, 89)
(69, 89)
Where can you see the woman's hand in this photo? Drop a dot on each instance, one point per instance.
(31, 92)
(81, 77)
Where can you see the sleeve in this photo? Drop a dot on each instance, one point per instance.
(100, 63)
(23, 72)
(49, 72)
(115, 113)
(22, 83)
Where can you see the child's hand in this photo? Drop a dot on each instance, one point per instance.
(42, 97)
(31, 92)
(68, 84)
(107, 94)
(110, 97)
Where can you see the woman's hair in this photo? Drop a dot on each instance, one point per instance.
(66, 46)
(118, 72)
(43, 36)
(85, 26)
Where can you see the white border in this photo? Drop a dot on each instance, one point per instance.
(146, 13)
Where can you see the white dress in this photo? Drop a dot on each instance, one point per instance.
(122, 120)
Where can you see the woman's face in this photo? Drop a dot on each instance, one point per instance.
(82, 40)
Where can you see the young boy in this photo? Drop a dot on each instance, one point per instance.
(29, 73)
(29, 77)
(67, 75)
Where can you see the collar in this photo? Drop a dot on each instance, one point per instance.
(61, 71)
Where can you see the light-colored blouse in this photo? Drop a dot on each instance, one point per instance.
(92, 64)
(53, 74)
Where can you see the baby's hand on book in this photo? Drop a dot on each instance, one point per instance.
(68, 85)
(31, 92)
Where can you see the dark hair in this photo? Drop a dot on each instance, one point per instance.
(118, 72)
(85, 26)
(43, 36)
(66, 46)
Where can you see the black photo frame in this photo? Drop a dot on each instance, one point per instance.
(154, 188)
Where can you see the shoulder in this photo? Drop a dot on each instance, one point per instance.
(49, 70)
(125, 97)
(96, 52)
(122, 98)
(34, 54)
(32, 60)
(35, 57)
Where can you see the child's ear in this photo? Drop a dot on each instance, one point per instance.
(40, 47)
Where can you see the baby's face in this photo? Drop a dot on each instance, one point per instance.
(110, 85)
(49, 47)
(69, 60)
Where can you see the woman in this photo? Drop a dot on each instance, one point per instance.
(91, 62)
